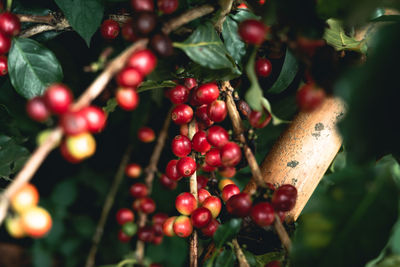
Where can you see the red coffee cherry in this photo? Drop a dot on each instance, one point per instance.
(273, 264)
(181, 146)
(159, 218)
(146, 135)
(127, 98)
(122, 237)
(210, 229)
(109, 29)
(182, 114)
(3, 65)
(37, 109)
(67, 155)
(162, 45)
(217, 136)
(95, 117)
(239, 205)
(262, 214)
(142, 5)
(259, 119)
(146, 234)
(129, 77)
(128, 32)
(73, 123)
(252, 31)
(200, 143)
(310, 98)
(202, 195)
(185, 203)
(231, 154)
(167, 182)
(124, 215)
(190, 83)
(213, 203)
(202, 116)
(157, 240)
(284, 198)
(184, 129)
(167, 6)
(217, 111)
(147, 205)
(186, 166)
(227, 172)
(183, 226)
(201, 217)
(263, 67)
(144, 22)
(171, 170)
(201, 181)
(207, 93)
(144, 61)
(133, 170)
(228, 191)
(9, 24)
(138, 190)
(224, 182)
(168, 226)
(5, 43)
(207, 168)
(58, 98)
(193, 98)
(179, 94)
(213, 157)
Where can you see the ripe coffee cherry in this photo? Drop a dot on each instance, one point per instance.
(207, 93)
(9, 24)
(185, 203)
(167, 6)
(181, 146)
(193, 98)
(201, 181)
(128, 32)
(284, 198)
(127, 98)
(144, 22)
(133, 170)
(213, 157)
(122, 237)
(124, 215)
(186, 166)
(81, 146)
(262, 214)
(25, 198)
(207, 168)
(129, 77)
(200, 143)
(227, 172)
(95, 117)
(231, 154)
(202, 116)
(147, 205)
(179, 94)
(224, 182)
(273, 264)
(263, 67)
(37, 109)
(36, 222)
(168, 226)
(202, 195)
(309, 98)
(3, 65)
(58, 98)
(213, 203)
(157, 240)
(146, 234)
(138, 190)
(184, 129)
(162, 45)
(167, 182)
(14, 227)
(109, 29)
(252, 31)
(146, 135)
(217, 111)
(228, 191)
(239, 205)
(259, 119)
(182, 114)
(142, 5)
(144, 61)
(129, 228)
(201, 217)
(217, 136)
(190, 83)
(73, 123)
(158, 229)
(159, 218)
(210, 228)
(183, 226)
(66, 155)
(171, 170)
(5, 43)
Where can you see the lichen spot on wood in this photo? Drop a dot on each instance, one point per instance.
(319, 126)
(293, 163)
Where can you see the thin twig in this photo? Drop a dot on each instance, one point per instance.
(47, 19)
(239, 254)
(283, 235)
(119, 176)
(226, 6)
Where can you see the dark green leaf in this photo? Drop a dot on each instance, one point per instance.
(243, 14)
(205, 75)
(288, 72)
(250, 257)
(41, 256)
(32, 67)
(235, 46)
(336, 37)
(226, 232)
(12, 156)
(172, 252)
(150, 85)
(84, 15)
(339, 163)
(387, 18)
(64, 193)
(226, 258)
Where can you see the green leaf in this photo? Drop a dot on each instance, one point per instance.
(226, 258)
(64, 193)
(111, 105)
(226, 232)
(336, 36)
(387, 18)
(288, 72)
(205, 75)
(339, 163)
(243, 14)
(206, 48)
(84, 16)
(250, 257)
(32, 67)
(233, 43)
(151, 85)
(12, 156)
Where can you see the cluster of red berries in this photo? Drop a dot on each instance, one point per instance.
(144, 23)
(77, 125)
(9, 26)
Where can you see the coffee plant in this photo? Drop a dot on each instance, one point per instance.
(199, 133)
